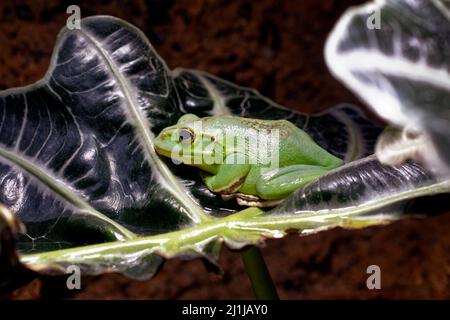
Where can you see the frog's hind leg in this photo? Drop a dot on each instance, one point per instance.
(279, 183)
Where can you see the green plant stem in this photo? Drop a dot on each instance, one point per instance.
(259, 275)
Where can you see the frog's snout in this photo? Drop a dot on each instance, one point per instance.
(165, 141)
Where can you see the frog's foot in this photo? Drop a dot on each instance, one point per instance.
(255, 201)
(225, 190)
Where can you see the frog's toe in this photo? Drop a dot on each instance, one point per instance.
(228, 196)
(255, 201)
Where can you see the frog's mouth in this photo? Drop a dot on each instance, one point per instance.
(190, 154)
(172, 150)
(164, 148)
(166, 141)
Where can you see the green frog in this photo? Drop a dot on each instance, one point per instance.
(258, 162)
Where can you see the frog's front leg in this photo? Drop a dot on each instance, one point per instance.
(230, 175)
(279, 183)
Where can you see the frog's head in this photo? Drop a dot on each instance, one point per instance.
(189, 142)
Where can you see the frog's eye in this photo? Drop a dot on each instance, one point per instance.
(186, 136)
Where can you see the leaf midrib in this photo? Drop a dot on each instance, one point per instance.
(142, 129)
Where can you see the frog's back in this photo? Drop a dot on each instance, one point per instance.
(260, 135)
(286, 141)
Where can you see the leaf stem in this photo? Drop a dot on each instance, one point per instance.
(259, 275)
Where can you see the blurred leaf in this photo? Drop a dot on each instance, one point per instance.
(400, 69)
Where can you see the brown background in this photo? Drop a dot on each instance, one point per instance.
(276, 47)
